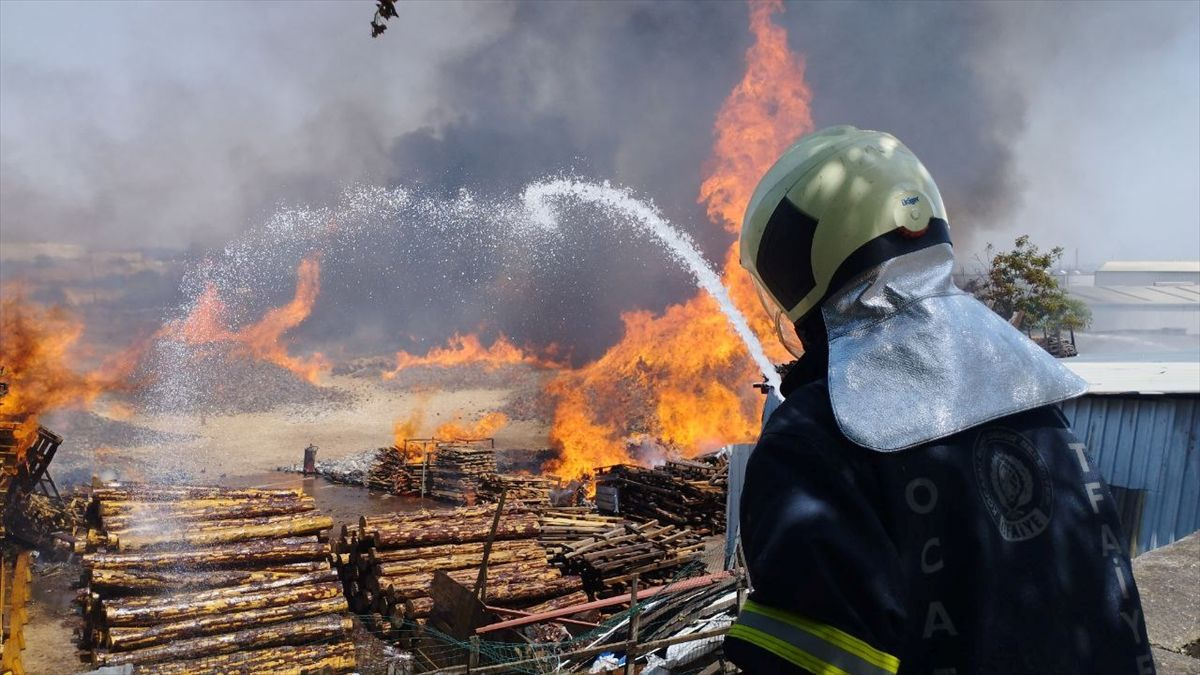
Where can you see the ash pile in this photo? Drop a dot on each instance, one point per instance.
(195, 579)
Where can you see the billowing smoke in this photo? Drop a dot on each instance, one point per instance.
(183, 125)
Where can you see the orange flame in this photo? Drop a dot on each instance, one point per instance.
(208, 324)
(469, 350)
(39, 352)
(457, 430)
(685, 370)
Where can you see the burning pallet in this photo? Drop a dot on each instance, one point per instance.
(388, 563)
(189, 579)
(685, 493)
(393, 473)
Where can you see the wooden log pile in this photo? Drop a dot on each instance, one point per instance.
(388, 563)
(657, 553)
(455, 471)
(394, 473)
(685, 493)
(520, 488)
(188, 579)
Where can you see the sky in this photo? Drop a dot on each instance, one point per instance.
(182, 124)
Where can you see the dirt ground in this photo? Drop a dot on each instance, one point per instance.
(225, 446)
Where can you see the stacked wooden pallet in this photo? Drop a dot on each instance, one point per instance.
(455, 471)
(523, 488)
(394, 473)
(189, 579)
(387, 565)
(684, 493)
(569, 524)
(657, 553)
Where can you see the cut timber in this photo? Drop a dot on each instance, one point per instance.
(138, 637)
(530, 552)
(295, 632)
(243, 554)
(150, 492)
(119, 582)
(290, 660)
(402, 535)
(289, 526)
(122, 515)
(377, 556)
(169, 527)
(157, 610)
(368, 523)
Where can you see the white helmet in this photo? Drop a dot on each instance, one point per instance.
(838, 203)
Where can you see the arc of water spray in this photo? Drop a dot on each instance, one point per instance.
(537, 196)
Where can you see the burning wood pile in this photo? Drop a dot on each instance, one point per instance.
(188, 579)
(656, 554)
(446, 471)
(387, 565)
(456, 470)
(523, 488)
(392, 472)
(686, 493)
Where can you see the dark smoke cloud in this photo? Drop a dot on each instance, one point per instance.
(198, 133)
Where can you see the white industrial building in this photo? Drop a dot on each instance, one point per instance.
(1132, 296)
(1148, 273)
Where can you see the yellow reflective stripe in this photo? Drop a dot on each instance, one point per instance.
(784, 650)
(827, 633)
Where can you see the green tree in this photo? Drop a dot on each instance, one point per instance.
(1019, 285)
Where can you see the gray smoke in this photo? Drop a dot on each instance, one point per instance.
(183, 125)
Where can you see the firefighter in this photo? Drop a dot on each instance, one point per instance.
(918, 503)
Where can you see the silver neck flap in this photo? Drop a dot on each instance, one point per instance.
(913, 359)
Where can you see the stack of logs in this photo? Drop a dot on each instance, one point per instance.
(394, 473)
(387, 565)
(520, 488)
(189, 579)
(685, 493)
(455, 471)
(657, 554)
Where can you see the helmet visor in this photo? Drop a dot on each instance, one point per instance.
(784, 329)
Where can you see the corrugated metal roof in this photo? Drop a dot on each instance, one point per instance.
(1174, 294)
(1145, 377)
(1147, 443)
(1151, 266)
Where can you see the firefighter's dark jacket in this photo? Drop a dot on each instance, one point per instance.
(996, 550)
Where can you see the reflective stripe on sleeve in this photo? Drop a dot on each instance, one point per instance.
(816, 647)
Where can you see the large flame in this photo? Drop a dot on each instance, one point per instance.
(458, 430)
(40, 354)
(469, 350)
(208, 323)
(683, 376)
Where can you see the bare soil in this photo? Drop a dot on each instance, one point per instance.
(209, 448)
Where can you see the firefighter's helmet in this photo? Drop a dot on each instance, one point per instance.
(838, 203)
